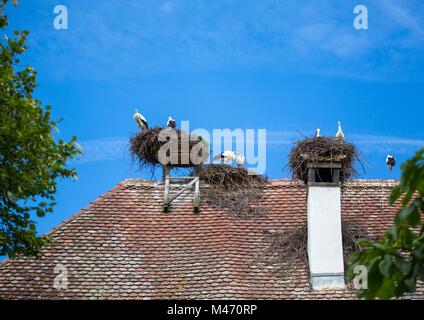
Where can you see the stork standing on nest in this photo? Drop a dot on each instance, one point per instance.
(318, 133)
(140, 120)
(390, 162)
(226, 156)
(171, 123)
(340, 134)
(240, 160)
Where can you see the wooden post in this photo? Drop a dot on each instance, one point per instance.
(196, 199)
(165, 170)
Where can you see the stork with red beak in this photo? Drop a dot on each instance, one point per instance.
(226, 156)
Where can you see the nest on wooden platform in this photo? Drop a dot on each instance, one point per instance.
(176, 148)
(315, 150)
(232, 188)
(288, 248)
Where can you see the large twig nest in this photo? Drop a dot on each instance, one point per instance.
(285, 249)
(315, 150)
(232, 188)
(229, 177)
(174, 147)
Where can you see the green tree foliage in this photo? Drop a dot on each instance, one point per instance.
(31, 159)
(396, 262)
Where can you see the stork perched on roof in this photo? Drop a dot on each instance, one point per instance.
(318, 133)
(140, 120)
(240, 160)
(340, 134)
(171, 123)
(390, 162)
(226, 156)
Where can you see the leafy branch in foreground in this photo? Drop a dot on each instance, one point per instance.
(31, 160)
(396, 262)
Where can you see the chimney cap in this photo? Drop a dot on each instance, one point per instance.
(325, 164)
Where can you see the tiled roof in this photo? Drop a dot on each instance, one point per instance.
(123, 246)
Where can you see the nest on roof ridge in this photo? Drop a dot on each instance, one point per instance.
(187, 150)
(314, 150)
(232, 188)
(284, 249)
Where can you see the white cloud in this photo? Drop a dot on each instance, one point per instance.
(403, 18)
(105, 149)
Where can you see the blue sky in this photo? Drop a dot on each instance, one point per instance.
(285, 66)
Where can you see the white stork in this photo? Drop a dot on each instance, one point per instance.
(340, 134)
(240, 160)
(226, 156)
(140, 120)
(318, 133)
(171, 123)
(390, 162)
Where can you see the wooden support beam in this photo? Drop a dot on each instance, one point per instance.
(166, 202)
(182, 178)
(168, 180)
(196, 199)
(187, 186)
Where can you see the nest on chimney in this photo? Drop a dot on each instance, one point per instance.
(145, 148)
(283, 250)
(232, 188)
(318, 149)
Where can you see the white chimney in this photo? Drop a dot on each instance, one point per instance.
(325, 247)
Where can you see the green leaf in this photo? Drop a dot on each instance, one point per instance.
(385, 266)
(406, 238)
(410, 284)
(392, 234)
(386, 290)
(40, 213)
(418, 251)
(403, 265)
(409, 216)
(375, 278)
(420, 271)
(379, 246)
(364, 243)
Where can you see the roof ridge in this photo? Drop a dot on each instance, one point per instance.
(371, 183)
(276, 182)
